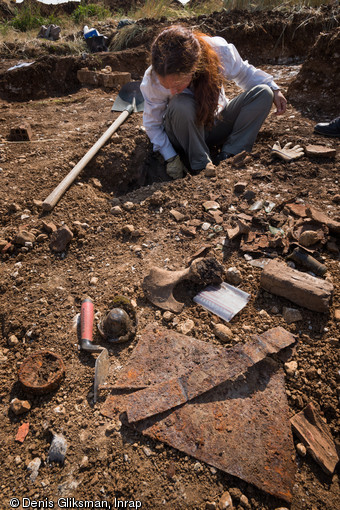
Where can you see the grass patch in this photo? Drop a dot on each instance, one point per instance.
(29, 17)
(125, 36)
(155, 9)
(86, 12)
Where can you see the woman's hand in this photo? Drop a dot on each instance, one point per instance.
(175, 167)
(280, 102)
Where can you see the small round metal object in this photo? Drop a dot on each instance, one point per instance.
(41, 372)
(115, 326)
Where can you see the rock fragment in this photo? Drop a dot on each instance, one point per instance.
(321, 217)
(13, 208)
(60, 239)
(210, 171)
(223, 333)
(309, 237)
(239, 187)
(211, 205)
(19, 406)
(233, 276)
(24, 237)
(84, 462)
(291, 315)
(244, 502)
(291, 368)
(3, 244)
(22, 432)
(49, 227)
(116, 210)
(225, 502)
(128, 230)
(188, 231)
(58, 449)
(301, 449)
(33, 468)
(217, 216)
(12, 341)
(178, 216)
(168, 316)
(186, 327)
(241, 228)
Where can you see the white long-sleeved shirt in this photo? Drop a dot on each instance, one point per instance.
(156, 97)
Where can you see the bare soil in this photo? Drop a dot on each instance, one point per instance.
(42, 291)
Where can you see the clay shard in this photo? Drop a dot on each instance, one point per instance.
(228, 365)
(320, 151)
(300, 288)
(315, 435)
(241, 228)
(320, 217)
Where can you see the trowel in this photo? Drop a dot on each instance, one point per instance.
(101, 368)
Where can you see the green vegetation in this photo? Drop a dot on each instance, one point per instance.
(85, 12)
(22, 27)
(29, 17)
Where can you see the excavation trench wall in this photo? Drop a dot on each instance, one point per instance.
(260, 37)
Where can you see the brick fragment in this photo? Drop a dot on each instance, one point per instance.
(21, 133)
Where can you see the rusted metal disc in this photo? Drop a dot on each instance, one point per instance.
(42, 372)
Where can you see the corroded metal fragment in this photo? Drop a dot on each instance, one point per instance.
(241, 426)
(227, 365)
(41, 372)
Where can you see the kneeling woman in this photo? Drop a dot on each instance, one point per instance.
(186, 110)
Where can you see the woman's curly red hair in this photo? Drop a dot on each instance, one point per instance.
(179, 50)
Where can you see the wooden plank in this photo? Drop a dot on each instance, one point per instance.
(300, 288)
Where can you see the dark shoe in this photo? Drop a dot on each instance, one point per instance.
(222, 156)
(331, 128)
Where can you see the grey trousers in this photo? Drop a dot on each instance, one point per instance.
(235, 129)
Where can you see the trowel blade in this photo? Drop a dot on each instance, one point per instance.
(100, 371)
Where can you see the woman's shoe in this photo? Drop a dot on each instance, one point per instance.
(331, 128)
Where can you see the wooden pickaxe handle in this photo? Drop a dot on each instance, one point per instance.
(58, 192)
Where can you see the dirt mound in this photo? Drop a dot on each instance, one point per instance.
(48, 9)
(319, 78)
(30, 82)
(262, 36)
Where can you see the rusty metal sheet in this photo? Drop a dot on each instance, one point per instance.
(175, 355)
(227, 365)
(241, 427)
